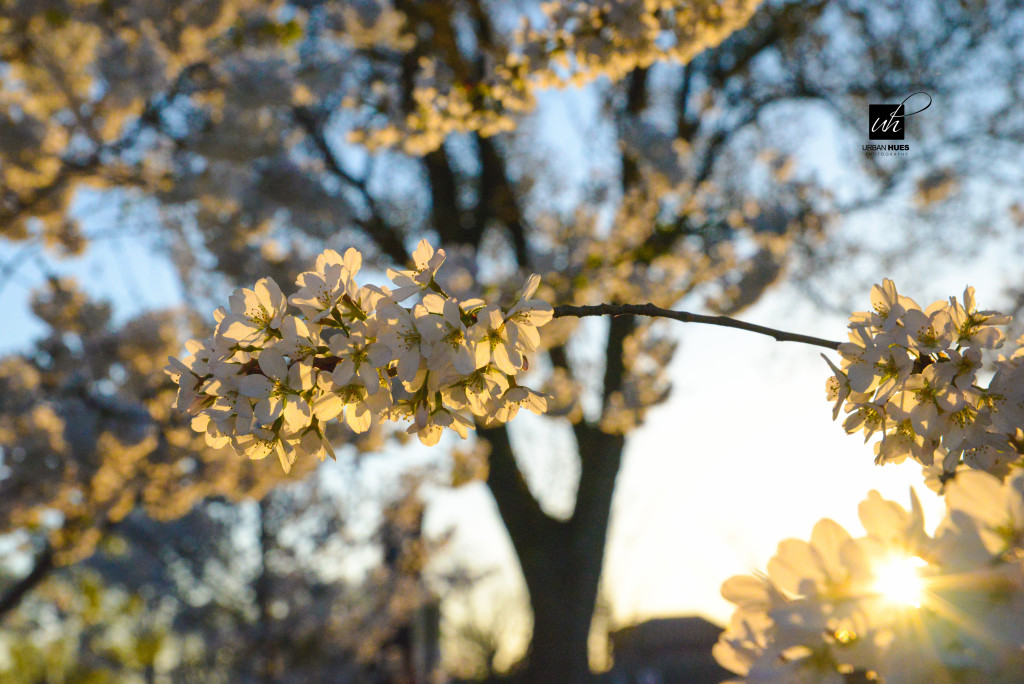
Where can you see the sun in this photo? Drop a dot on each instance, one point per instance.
(898, 580)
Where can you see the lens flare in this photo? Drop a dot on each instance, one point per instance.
(899, 582)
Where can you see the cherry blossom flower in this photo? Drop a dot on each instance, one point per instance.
(262, 442)
(912, 376)
(975, 328)
(427, 261)
(526, 315)
(399, 334)
(278, 390)
(445, 335)
(315, 443)
(299, 340)
(254, 313)
(231, 410)
(478, 391)
(344, 392)
(507, 406)
(888, 306)
(497, 340)
(931, 330)
(278, 369)
(324, 288)
(358, 357)
(906, 373)
(896, 605)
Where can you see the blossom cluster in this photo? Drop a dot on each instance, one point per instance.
(443, 106)
(912, 375)
(573, 43)
(898, 605)
(278, 368)
(581, 41)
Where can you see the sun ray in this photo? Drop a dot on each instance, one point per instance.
(899, 581)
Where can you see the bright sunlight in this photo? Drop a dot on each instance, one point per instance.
(899, 581)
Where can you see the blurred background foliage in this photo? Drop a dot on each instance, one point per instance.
(629, 151)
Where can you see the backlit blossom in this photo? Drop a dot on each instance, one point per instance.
(400, 336)
(445, 334)
(426, 261)
(278, 369)
(299, 340)
(897, 605)
(254, 313)
(527, 314)
(497, 340)
(358, 357)
(344, 394)
(323, 289)
(278, 390)
(912, 376)
(975, 328)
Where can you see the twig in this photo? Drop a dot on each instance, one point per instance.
(41, 568)
(687, 317)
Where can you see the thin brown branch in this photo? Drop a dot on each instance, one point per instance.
(526, 521)
(615, 367)
(13, 596)
(653, 311)
(386, 236)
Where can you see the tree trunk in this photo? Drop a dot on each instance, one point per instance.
(561, 560)
(563, 590)
(562, 610)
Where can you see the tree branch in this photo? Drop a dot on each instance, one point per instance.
(525, 520)
(615, 364)
(497, 200)
(386, 236)
(43, 565)
(686, 317)
(444, 203)
(601, 458)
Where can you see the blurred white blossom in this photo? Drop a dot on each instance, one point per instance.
(898, 605)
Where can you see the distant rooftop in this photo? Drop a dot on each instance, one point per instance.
(666, 651)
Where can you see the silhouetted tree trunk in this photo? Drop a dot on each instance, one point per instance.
(561, 559)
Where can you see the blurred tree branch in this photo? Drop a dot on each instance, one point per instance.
(41, 567)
